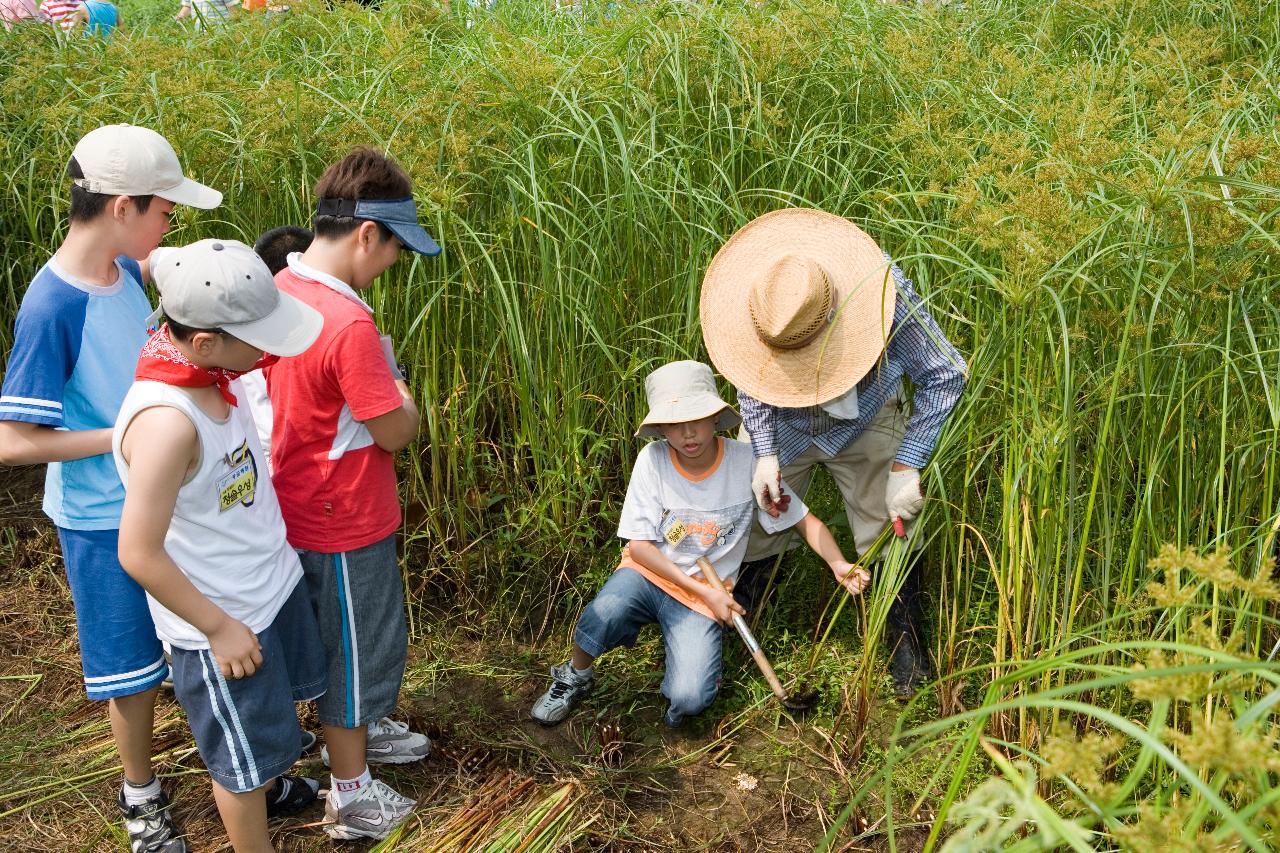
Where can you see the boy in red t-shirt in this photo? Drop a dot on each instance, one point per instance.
(341, 409)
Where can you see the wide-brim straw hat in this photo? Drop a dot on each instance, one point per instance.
(684, 391)
(797, 306)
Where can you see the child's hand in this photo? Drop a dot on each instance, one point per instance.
(236, 649)
(851, 577)
(722, 605)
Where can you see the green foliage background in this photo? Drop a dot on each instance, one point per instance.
(1085, 191)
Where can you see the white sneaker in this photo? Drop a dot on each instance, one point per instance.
(390, 743)
(374, 813)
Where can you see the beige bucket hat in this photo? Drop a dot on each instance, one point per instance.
(684, 391)
(797, 306)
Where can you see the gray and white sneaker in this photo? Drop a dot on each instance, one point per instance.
(390, 742)
(374, 813)
(567, 689)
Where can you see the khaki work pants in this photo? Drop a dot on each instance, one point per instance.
(861, 472)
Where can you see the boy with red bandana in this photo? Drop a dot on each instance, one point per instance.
(201, 529)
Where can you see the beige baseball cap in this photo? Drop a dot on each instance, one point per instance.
(682, 391)
(123, 159)
(223, 284)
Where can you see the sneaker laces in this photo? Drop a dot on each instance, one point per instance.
(387, 798)
(561, 683)
(388, 726)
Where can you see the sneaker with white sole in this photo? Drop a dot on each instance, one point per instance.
(567, 689)
(374, 813)
(390, 742)
(151, 829)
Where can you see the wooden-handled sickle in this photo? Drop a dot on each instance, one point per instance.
(802, 702)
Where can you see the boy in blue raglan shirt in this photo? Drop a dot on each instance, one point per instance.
(76, 341)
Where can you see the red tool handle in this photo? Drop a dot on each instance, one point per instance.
(899, 529)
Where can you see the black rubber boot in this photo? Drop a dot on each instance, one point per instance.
(909, 662)
(753, 577)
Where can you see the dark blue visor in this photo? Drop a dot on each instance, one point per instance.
(400, 215)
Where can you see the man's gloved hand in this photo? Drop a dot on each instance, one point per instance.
(766, 482)
(902, 494)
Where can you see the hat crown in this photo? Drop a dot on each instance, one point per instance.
(678, 381)
(791, 302)
(123, 159)
(214, 283)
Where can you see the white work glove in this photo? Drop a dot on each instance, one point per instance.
(765, 482)
(902, 494)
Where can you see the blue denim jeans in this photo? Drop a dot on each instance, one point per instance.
(626, 603)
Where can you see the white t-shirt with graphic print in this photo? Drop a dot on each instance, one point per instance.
(708, 515)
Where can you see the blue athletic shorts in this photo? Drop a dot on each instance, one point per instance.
(247, 728)
(119, 650)
(358, 599)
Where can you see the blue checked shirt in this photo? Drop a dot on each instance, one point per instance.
(918, 349)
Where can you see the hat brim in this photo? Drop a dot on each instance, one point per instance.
(286, 331)
(192, 194)
(414, 237)
(837, 358)
(728, 418)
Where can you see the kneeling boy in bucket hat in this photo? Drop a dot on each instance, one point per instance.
(201, 529)
(689, 497)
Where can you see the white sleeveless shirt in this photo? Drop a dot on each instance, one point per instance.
(227, 534)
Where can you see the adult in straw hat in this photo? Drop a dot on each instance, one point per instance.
(816, 327)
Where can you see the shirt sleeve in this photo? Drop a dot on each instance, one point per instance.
(759, 419)
(46, 344)
(796, 511)
(356, 360)
(937, 370)
(642, 508)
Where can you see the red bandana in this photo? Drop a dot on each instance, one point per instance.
(163, 362)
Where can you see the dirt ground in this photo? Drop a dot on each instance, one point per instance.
(744, 778)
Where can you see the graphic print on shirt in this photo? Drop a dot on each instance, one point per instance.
(240, 484)
(696, 532)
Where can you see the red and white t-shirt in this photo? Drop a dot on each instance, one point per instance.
(59, 12)
(337, 488)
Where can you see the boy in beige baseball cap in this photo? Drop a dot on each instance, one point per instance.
(689, 497)
(82, 323)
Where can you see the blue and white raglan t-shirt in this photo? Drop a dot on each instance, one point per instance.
(75, 349)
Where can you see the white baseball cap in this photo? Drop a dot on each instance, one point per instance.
(682, 391)
(123, 159)
(223, 284)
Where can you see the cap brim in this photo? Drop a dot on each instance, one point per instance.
(288, 330)
(192, 194)
(414, 237)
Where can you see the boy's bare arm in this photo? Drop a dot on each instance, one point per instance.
(159, 446)
(23, 443)
(394, 430)
(818, 535)
(648, 554)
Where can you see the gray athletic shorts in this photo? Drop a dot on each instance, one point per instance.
(358, 600)
(247, 728)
